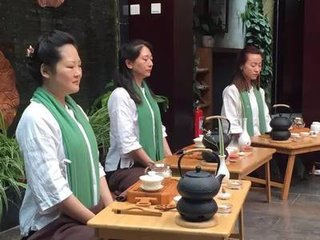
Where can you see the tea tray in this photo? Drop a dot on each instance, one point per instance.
(162, 196)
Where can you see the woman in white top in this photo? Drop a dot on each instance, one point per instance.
(244, 98)
(65, 183)
(137, 136)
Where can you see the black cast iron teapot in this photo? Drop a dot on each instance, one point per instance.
(197, 189)
(211, 139)
(280, 124)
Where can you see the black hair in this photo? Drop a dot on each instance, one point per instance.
(124, 77)
(238, 78)
(46, 52)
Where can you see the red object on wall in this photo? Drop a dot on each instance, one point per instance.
(198, 120)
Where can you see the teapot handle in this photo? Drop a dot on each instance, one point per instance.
(217, 117)
(282, 105)
(186, 152)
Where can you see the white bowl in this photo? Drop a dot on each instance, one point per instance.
(151, 182)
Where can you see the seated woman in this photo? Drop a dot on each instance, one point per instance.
(244, 98)
(65, 183)
(137, 136)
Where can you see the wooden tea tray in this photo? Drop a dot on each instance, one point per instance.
(162, 196)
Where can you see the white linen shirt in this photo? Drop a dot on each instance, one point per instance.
(40, 140)
(124, 130)
(232, 109)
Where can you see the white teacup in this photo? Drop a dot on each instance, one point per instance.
(315, 126)
(151, 182)
(304, 134)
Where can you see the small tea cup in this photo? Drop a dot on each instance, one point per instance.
(315, 126)
(295, 136)
(313, 134)
(304, 134)
(198, 142)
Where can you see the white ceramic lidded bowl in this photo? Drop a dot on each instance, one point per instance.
(151, 182)
(198, 142)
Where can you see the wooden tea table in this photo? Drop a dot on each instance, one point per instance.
(238, 169)
(109, 225)
(290, 148)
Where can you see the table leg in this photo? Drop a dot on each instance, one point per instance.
(287, 177)
(268, 185)
(241, 230)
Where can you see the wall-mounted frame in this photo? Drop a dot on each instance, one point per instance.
(218, 9)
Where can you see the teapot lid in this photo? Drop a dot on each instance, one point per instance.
(198, 173)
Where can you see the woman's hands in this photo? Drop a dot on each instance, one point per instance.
(166, 148)
(141, 157)
(73, 208)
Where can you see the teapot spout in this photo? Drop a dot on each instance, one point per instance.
(220, 178)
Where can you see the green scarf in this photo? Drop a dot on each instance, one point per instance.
(83, 173)
(150, 132)
(247, 111)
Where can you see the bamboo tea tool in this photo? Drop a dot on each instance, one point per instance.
(136, 211)
(145, 201)
(165, 207)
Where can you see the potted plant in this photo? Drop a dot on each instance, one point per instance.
(208, 27)
(11, 170)
(100, 122)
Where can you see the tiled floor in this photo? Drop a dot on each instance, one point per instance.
(295, 219)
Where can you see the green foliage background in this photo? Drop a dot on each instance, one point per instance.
(259, 34)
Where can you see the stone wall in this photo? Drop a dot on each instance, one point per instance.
(93, 23)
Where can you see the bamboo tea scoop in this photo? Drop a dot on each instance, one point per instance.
(136, 211)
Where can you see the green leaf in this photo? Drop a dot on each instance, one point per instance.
(163, 102)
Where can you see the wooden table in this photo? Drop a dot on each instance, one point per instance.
(238, 169)
(109, 225)
(290, 148)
